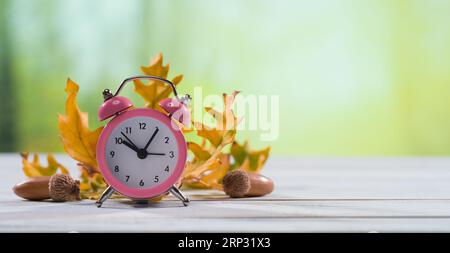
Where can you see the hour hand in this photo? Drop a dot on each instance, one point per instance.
(129, 143)
(126, 143)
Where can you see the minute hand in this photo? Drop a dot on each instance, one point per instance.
(151, 138)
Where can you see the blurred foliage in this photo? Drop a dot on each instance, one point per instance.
(354, 77)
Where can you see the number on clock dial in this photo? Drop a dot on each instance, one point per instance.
(133, 135)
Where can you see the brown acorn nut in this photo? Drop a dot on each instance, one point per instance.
(57, 187)
(63, 188)
(239, 183)
(35, 188)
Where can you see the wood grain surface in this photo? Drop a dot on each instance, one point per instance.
(311, 195)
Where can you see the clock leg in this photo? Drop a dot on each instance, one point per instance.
(106, 194)
(177, 193)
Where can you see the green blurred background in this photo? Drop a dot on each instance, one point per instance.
(361, 77)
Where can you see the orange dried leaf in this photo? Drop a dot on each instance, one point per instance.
(212, 177)
(198, 151)
(156, 67)
(212, 135)
(194, 169)
(35, 169)
(210, 164)
(92, 183)
(225, 120)
(247, 159)
(195, 173)
(226, 123)
(154, 91)
(79, 142)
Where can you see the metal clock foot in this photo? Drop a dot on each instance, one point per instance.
(105, 195)
(177, 193)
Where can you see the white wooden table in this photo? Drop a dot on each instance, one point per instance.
(311, 195)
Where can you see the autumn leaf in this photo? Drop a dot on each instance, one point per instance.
(204, 172)
(208, 174)
(249, 160)
(35, 169)
(200, 154)
(78, 140)
(210, 164)
(155, 91)
(92, 183)
(226, 123)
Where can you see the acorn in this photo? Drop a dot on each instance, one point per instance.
(35, 188)
(58, 187)
(239, 183)
(63, 188)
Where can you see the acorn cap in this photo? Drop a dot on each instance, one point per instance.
(64, 188)
(236, 183)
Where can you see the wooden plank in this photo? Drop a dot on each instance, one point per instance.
(237, 225)
(199, 209)
(312, 195)
(229, 215)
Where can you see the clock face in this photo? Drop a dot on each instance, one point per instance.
(141, 152)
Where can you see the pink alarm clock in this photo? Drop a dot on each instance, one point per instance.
(141, 153)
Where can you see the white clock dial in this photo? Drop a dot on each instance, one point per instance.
(134, 166)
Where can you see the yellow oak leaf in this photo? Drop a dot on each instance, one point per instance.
(198, 151)
(212, 135)
(154, 91)
(195, 174)
(226, 123)
(213, 175)
(34, 168)
(203, 159)
(91, 182)
(210, 164)
(225, 120)
(247, 159)
(79, 141)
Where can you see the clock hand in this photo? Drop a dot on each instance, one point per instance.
(151, 138)
(156, 153)
(126, 143)
(130, 141)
